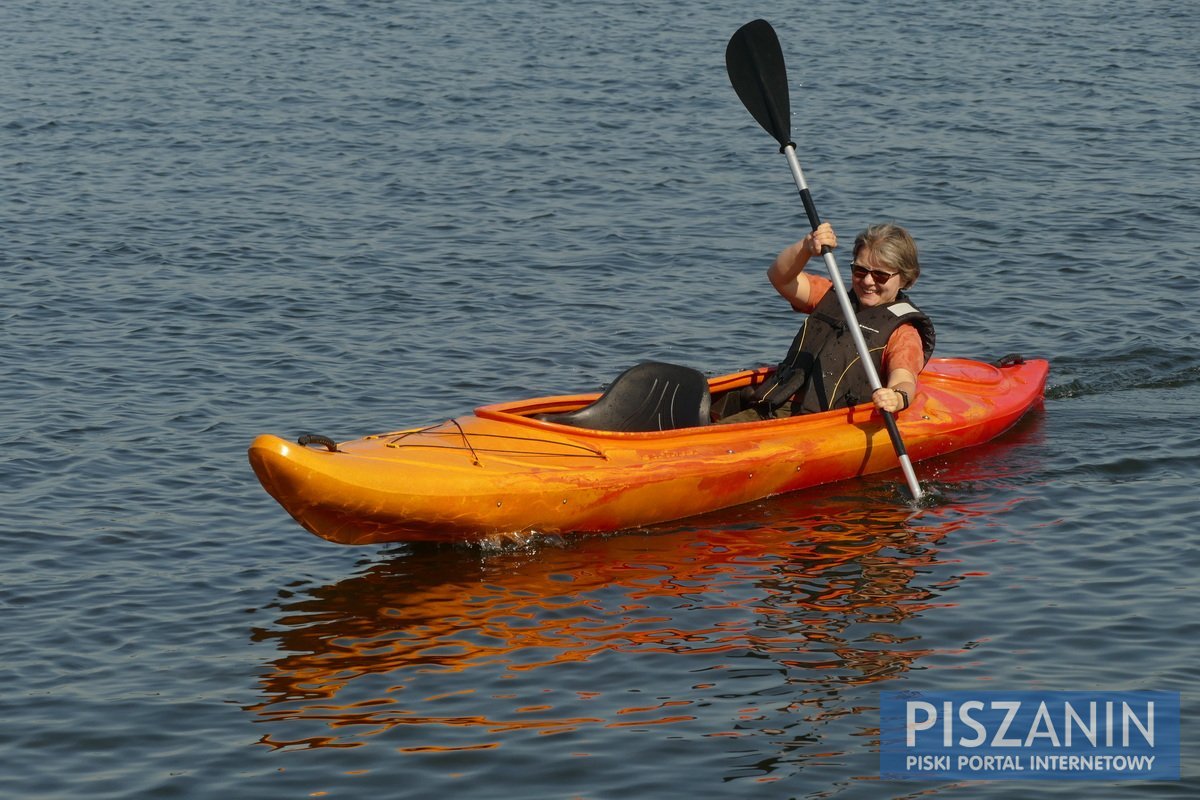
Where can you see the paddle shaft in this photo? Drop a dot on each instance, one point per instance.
(860, 343)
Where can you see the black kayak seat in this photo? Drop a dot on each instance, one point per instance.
(651, 396)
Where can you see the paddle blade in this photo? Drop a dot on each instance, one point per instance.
(754, 61)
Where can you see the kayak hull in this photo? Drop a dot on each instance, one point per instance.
(500, 470)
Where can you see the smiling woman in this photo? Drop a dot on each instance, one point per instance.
(821, 369)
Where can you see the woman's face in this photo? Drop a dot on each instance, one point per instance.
(867, 273)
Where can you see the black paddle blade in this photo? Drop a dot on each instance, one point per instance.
(754, 61)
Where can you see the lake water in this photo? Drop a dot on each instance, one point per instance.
(229, 218)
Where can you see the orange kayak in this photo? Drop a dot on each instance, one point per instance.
(510, 468)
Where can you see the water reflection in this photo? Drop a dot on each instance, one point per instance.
(761, 620)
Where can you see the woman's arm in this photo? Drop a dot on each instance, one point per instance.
(787, 272)
(903, 360)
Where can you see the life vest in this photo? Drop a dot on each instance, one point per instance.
(822, 366)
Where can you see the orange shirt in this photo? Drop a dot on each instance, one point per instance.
(904, 349)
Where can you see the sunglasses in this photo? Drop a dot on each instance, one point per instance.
(860, 272)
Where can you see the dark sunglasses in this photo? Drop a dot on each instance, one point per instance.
(879, 275)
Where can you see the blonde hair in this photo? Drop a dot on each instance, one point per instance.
(892, 245)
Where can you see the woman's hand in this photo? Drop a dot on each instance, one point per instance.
(890, 400)
(787, 271)
(822, 237)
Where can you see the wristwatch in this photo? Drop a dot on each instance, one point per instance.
(903, 394)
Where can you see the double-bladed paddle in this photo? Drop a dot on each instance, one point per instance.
(754, 60)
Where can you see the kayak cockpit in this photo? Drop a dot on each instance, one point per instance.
(651, 396)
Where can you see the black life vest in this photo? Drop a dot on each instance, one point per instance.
(822, 365)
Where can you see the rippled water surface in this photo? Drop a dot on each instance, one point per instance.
(229, 218)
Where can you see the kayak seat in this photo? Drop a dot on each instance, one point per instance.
(652, 396)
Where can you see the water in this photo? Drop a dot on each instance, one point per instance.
(228, 218)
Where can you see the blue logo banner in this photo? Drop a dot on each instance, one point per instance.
(1029, 735)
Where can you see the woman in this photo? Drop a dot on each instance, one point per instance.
(822, 370)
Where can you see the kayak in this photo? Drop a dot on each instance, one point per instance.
(643, 452)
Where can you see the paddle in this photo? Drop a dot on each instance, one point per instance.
(754, 61)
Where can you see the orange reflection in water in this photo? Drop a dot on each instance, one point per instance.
(424, 646)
